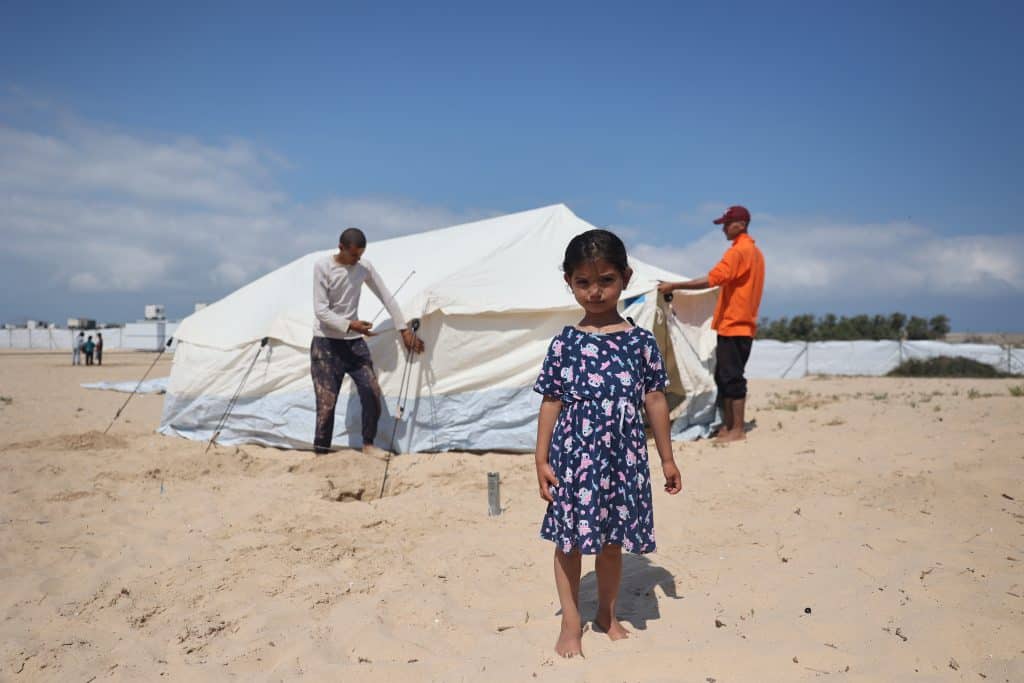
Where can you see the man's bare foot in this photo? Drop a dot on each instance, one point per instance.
(374, 452)
(610, 625)
(570, 641)
(731, 435)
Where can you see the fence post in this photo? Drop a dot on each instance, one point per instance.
(807, 358)
(901, 351)
(1009, 356)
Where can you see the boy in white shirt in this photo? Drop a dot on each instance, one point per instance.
(338, 346)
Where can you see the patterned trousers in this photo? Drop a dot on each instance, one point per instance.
(330, 361)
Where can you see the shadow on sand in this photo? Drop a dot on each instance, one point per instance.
(638, 602)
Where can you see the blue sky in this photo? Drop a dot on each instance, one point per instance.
(170, 154)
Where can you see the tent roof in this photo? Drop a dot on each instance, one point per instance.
(509, 263)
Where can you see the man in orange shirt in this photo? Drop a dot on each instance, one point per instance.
(740, 279)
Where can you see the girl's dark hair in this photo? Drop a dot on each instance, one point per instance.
(592, 245)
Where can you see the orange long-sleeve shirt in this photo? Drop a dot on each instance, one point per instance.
(740, 277)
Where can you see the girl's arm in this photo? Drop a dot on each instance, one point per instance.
(549, 411)
(657, 414)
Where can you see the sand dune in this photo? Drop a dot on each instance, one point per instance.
(869, 530)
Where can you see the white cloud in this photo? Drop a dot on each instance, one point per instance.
(84, 282)
(136, 266)
(819, 260)
(80, 159)
(384, 217)
(98, 210)
(229, 273)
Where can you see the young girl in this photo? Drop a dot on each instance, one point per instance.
(591, 447)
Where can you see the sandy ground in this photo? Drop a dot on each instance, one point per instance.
(869, 530)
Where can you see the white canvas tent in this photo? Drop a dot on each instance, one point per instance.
(490, 296)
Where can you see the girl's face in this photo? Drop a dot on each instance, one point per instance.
(597, 285)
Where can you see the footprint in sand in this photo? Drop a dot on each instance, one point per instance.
(339, 495)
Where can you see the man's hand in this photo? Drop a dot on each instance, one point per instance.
(666, 287)
(412, 342)
(545, 480)
(362, 327)
(669, 287)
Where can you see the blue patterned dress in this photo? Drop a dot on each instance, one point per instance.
(598, 448)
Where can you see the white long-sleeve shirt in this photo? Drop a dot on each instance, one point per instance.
(336, 290)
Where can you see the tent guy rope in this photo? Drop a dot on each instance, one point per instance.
(411, 273)
(134, 391)
(234, 399)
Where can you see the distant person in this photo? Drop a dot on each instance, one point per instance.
(599, 378)
(338, 346)
(89, 348)
(77, 344)
(740, 277)
(99, 348)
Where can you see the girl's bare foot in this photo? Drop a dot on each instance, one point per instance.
(611, 626)
(570, 640)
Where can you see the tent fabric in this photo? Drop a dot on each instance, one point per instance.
(499, 265)
(157, 385)
(490, 296)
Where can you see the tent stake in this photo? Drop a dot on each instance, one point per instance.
(493, 494)
(118, 414)
(231, 403)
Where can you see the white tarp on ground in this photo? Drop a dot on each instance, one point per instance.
(771, 359)
(157, 385)
(490, 296)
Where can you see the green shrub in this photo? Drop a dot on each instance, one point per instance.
(945, 366)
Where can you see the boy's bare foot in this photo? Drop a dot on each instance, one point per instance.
(570, 641)
(375, 452)
(610, 625)
(731, 435)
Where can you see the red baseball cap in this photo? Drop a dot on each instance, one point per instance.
(732, 214)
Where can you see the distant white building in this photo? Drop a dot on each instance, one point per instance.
(155, 312)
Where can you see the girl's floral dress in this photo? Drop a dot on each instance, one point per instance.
(598, 448)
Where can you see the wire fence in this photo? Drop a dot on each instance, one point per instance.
(144, 336)
(771, 359)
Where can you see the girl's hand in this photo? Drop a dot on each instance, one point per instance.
(546, 479)
(673, 480)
